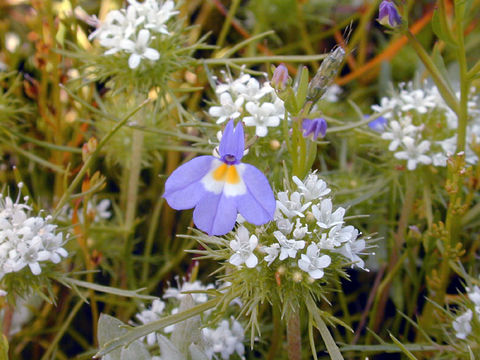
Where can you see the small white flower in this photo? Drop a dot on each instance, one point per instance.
(474, 296)
(396, 132)
(351, 250)
(231, 84)
(332, 93)
(416, 100)
(462, 326)
(272, 252)
(312, 263)
(156, 18)
(180, 292)
(300, 230)
(386, 105)
(414, 153)
(228, 108)
(339, 234)
(312, 187)
(251, 90)
(53, 245)
(262, 116)
(224, 340)
(288, 248)
(31, 254)
(149, 315)
(139, 49)
(292, 206)
(243, 246)
(26, 240)
(284, 225)
(324, 216)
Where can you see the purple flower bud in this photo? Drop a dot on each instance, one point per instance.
(388, 14)
(314, 128)
(280, 77)
(378, 124)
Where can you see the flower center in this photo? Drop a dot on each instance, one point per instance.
(226, 173)
(229, 159)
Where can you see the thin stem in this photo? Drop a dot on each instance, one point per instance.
(227, 22)
(135, 167)
(7, 320)
(265, 59)
(442, 85)
(294, 337)
(464, 80)
(276, 335)
(150, 237)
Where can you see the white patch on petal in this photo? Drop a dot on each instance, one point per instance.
(218, 187)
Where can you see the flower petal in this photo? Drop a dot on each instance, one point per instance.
(183, 188)
(215, 214)
(143, 37)
(257, 206)
(134, 61)
(151, 54)
(233, 142)
(251, 261)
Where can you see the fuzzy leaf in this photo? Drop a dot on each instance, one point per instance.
(196, 353)
(135, 351)
(109, 328)
(168, 350)
(186, 332)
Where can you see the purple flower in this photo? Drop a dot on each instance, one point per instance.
(388, 14)
(378, 124)
(314, 127)
(219, 189)
(280, 77)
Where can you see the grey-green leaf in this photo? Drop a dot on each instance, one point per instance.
(168, 350)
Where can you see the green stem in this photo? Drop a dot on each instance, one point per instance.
(294, 336)
(383, 289)
(265, 59)
(135, 167)
(152, 229)
(227, 23)
(442, 85)
(464, 79)
(276, 335)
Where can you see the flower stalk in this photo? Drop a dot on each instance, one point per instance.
(294, 337)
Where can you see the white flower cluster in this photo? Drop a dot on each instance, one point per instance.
(224, 340)
(421, 127)
(462, 324)
(129, 30)
(258, 104)
(95, 211)
(310, 232)
(26, 240)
